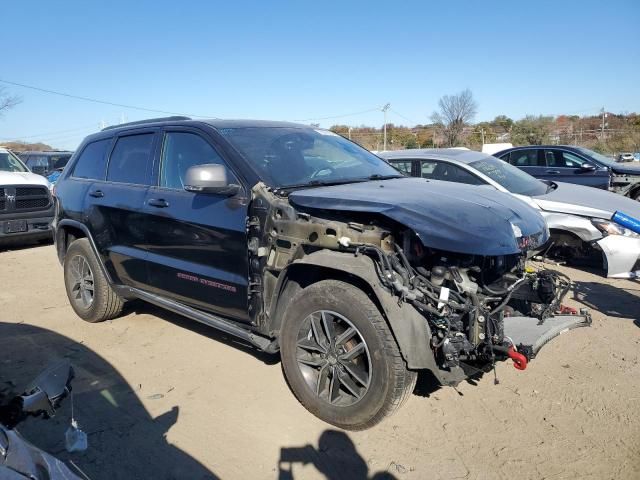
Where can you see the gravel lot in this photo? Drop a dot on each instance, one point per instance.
(163, 397)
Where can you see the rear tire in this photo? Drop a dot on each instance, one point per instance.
(353, 392)
(88, 290)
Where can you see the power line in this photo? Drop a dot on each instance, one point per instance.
(338, 116)
(104, 102)
(406, 118)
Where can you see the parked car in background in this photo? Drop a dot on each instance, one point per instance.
(564, 163)
(625, 157)
(26, 205)
(580, 218)
(294, 239)
(45, 163)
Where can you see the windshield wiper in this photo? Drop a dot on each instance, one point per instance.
(319, 183)
(377, 176)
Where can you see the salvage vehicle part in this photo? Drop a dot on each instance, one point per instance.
(19, 458)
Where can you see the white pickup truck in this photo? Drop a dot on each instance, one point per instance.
(26, 204)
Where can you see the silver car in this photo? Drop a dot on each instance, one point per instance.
(579, 217)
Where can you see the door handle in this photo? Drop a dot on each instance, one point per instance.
(96, 194)
(553, 172)
(158, 203)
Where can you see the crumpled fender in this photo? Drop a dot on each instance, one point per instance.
(408, 326)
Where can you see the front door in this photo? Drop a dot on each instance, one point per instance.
(567, 167)
(196, 243)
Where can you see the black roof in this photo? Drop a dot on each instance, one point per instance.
(220, 123)
(568, 147)
(215, 123)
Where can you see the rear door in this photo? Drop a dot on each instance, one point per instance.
(529, 160)
(115, 207)
(196, 242)
(565, 166)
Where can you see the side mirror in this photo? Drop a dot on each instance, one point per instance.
(588, 167)
(210, 178)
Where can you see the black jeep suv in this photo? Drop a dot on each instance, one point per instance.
(296, 240)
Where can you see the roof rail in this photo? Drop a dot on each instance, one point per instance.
(148, 120)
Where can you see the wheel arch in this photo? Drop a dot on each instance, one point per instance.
(66, 232)
(407, 325)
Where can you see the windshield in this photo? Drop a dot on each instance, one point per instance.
(10, 163)
(597, 156)
(286, 157)
(510, 177)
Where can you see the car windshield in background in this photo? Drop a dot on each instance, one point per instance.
(510, 177)
(9, 163)
(286, 157)
(598, 156)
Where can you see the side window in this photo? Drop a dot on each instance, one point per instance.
(452, 173)
(571, 160)
(525, 158)
(427, 168)
(403, 165)
(505, 157)
(130, 160)
(59, 162)
(180, 151)
(92, 161)
(38, 161)
(553, 158)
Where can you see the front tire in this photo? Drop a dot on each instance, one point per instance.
(340, 358)
(88, 290)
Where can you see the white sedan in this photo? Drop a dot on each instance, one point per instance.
(580, 218)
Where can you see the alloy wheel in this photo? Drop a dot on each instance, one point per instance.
(82, 286)
(333, 358)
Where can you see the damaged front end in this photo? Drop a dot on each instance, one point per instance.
(470, 307)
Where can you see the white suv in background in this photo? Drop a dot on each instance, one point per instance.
(26, 204)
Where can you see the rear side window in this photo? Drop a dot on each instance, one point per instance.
(92, 161)
(59, 161)
(525, 158)
(403, 166)
(129, 162)
(36, 161)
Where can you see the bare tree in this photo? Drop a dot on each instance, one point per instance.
(455, 112)
(8, 101)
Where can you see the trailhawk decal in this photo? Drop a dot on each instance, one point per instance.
(208, 283)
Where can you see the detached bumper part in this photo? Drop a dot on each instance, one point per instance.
(529, 336)
(622, 256)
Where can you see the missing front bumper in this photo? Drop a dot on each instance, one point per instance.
(529, 335)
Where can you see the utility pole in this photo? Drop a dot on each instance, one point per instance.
(604, 115)
(350, 133)
(482, 133)
(384, 110)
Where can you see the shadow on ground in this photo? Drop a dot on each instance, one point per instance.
(125, 442)
(612, 301)
(336, 458)
(12, 245)
(139, 307)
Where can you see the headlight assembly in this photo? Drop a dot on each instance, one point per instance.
(612, 228)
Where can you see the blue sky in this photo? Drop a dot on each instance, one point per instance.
(301, 60)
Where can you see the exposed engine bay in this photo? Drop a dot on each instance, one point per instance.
(464, 298)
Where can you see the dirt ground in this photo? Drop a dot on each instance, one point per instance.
(163, 397)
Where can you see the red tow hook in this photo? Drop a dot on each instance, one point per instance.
(519, 360)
